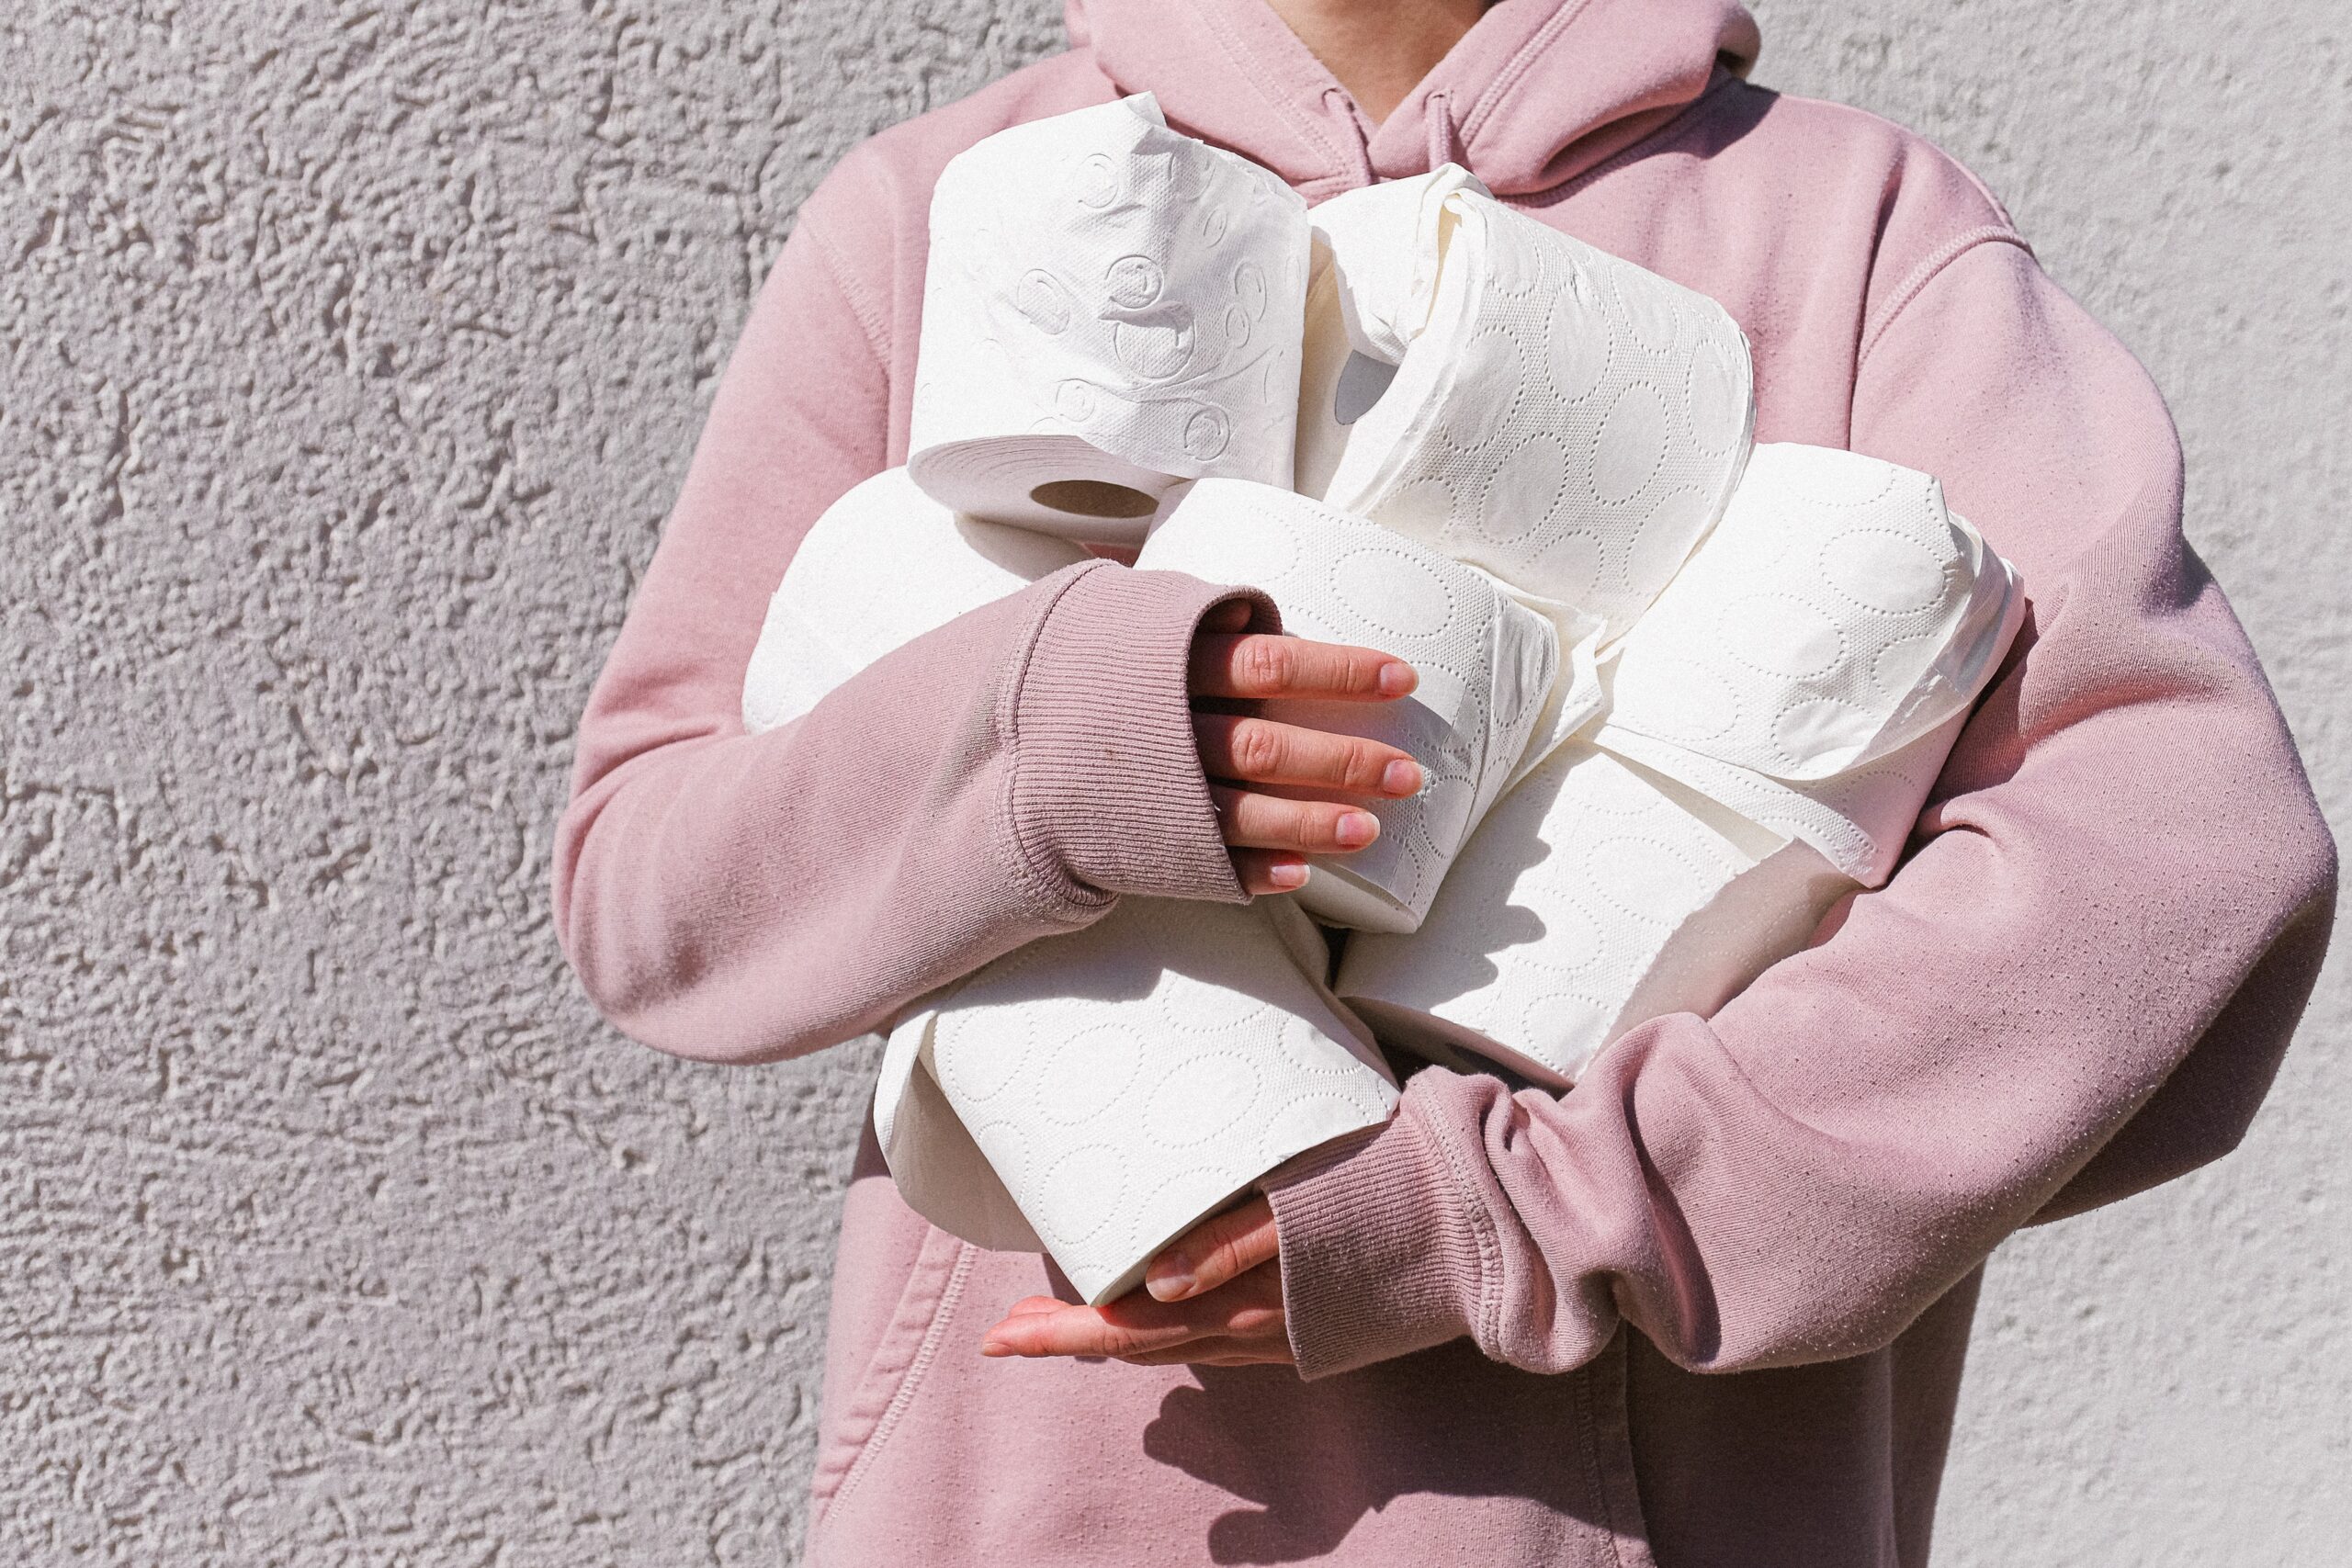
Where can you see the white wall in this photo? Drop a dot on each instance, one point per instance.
(2169, 1381)
(349, 357)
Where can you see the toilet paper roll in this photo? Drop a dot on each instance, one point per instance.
(1838, 613)
(1596, 895)
(1095, 1095)
(1108, 307)
(1516, 398)
(882, 566)
(1486, 666)
(1859, 822)
(1127, 1078)
(1839, 618)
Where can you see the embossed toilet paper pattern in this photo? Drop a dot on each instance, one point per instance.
(1565, 419)
(1108, 305)
(1773, 726)
(1123, 1081)
(1838, 613)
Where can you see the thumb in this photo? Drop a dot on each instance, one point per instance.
(1215, 1252)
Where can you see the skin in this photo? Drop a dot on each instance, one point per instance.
(1282, 791)
(1215, 1296)
(1379, 50)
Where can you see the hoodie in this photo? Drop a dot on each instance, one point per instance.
(1710, 1305)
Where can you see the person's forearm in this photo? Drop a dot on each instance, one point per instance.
(743, 898)
(746, 897)
(2124, 845)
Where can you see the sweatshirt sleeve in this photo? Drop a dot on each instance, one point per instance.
(742, 897)
(2079, 984)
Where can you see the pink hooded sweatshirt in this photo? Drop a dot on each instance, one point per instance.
(1709, 1307)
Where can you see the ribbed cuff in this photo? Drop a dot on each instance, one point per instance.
(1107, 790)
(1378, 1258)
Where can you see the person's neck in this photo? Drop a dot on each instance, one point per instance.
(1379, 50)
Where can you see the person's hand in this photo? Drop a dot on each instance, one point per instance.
(1214, 1298)
(1284, 791)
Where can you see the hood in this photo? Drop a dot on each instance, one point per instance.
(1536, 93)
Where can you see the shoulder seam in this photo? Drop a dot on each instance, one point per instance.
(861, 305)
(1926, 272)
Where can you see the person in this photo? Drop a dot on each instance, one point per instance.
(1710, 1305)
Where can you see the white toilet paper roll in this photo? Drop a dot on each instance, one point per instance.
(1094, 1095)
(1486, 666)
(1801, 666)
(1108, 307)
(1838, 613)
(1859, 822)
(1594, 896)
(1125, 1079)
(1835, 628)
(1565, 419)
(883, 565)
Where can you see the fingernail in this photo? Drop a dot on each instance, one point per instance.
(1174, 1286)
(1401, 777)
(1357, 829)
(995, 1346)
(1396, 678)
(1291, 874)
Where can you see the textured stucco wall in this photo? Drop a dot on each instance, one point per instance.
(349, 357)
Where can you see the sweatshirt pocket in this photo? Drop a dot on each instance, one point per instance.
(877, 1401)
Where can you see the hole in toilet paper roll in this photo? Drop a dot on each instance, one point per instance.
(1093, 498)
(1364, 381)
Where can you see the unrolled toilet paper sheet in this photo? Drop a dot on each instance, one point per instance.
(1108, 307)
(1092, 1094)
(1486, 666)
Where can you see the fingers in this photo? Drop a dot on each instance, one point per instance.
(1218, 1353)
(1252, 821)
(1258, 666)
(1269, 870)
(1079, 1331)
(1214, 1252)
(1232, 615)
(1248, 1311)
(1263, 751)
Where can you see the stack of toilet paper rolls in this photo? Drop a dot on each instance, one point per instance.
(1676, 694)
